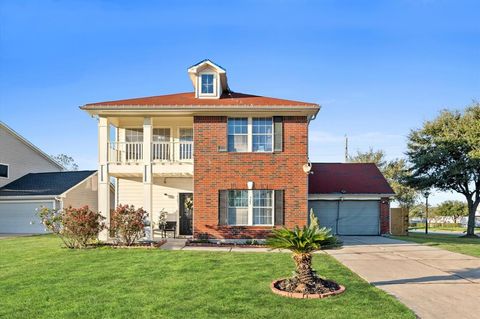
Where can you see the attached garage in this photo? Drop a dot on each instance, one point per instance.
(350, 198)
(348, 217)
(20, 199)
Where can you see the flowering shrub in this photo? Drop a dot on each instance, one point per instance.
(128, 223)
(75, 226)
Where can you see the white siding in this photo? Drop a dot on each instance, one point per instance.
(21, 158)
(165, 194)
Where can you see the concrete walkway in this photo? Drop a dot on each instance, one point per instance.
(433, 282)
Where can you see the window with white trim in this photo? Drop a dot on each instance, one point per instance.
(250, 134)
(250, 207)
(238, 135)
(4, 170)
(207, 84)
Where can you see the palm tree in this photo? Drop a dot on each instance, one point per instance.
(302, 242)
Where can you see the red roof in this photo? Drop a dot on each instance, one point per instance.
(347, 178)
(231, 99)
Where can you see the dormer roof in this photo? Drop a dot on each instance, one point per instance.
(219, 80)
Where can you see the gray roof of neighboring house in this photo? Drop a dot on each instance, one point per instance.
(44, 184)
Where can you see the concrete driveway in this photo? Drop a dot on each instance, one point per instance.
(433, 282)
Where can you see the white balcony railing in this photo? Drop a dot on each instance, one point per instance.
(172, 151)
(125, 152)
(132, 152)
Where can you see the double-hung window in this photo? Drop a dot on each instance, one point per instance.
(250, 207)
(207, 84)
(238, 135)
(250, 134)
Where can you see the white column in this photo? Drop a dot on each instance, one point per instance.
(103, 176)
(147, 170)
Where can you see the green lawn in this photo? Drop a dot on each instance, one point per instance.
(38, 279)
(453, 242)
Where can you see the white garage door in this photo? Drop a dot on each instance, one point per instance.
(348, 217)
(21, 218)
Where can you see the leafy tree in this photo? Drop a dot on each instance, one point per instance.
(444, 154)
(394, 171)
(370, 156)
(452, 208)
(66, 161)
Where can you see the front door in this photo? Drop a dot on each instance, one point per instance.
(186, 214)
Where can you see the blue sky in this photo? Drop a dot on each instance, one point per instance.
(378, 68)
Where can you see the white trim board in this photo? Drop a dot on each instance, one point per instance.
(348, 196)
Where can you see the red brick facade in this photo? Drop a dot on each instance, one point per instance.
(384, 216)
(215, 170)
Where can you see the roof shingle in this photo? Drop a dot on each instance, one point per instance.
(43, 184)
(347, 178)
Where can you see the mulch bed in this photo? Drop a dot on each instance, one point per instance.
(290, 287)
(138, 245)
(220, 244)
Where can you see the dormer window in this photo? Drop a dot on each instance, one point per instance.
(209, 80)
(207, 84)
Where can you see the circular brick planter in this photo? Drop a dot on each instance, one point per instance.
(299, 295)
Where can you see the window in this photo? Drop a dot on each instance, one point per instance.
(133, 135)
(250, 207)
(238, 207)
(185, 136)
(262, 134)
(250, 134)
(133, 146)
(238, 135)
(262, 207)
(4, 170)
(207, 84)
(161, 148)
(161, 135)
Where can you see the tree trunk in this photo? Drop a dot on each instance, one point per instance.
(472, 208)
(303, 263)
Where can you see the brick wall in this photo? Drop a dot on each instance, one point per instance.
(216, 170)
(384, 216)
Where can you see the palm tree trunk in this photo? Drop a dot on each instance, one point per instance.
(303, 263)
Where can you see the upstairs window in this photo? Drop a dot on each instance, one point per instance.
(250, 134)
(262, 134)
(4, 170)
(207, 84)
(238, 135)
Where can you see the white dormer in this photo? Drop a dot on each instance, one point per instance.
(209, 79)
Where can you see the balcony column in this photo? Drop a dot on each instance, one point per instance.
(147, 170)
(103, 176)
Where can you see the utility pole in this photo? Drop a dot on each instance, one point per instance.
(426, 194)
(346, 148)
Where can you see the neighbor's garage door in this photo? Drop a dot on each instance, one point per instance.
(20, 217)
(348, 217)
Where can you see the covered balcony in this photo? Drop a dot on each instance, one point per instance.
(162, 145)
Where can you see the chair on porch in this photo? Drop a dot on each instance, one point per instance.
(168, 226)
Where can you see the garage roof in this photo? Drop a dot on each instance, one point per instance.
(347, 178)
(36, 184)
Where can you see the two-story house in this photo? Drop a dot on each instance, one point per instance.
(239, 158)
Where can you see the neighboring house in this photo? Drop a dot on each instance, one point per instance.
(351, 198)
(241, 157)
(19, 157)
(20, 199)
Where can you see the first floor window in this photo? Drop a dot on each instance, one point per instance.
(3, 170)
(250, 207)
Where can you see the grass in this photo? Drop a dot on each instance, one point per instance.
(41, 280)
(451, 242)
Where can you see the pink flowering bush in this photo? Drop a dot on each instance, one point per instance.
(76, 227)
(128, 223)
